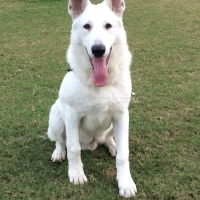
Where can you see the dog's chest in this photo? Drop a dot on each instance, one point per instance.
(98, 115)
(94, 121)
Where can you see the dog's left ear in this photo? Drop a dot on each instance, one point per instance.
(76, 7)
(117, 6)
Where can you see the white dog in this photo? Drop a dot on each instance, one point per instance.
(92, 106)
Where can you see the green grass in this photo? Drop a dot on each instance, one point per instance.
(164, 37)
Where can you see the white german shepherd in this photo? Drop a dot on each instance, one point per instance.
(94, 96)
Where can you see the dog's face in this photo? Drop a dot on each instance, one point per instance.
(97, 29)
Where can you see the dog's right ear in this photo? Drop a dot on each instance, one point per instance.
(76, 7)
(117, 6)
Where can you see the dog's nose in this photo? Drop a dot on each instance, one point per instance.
(98, 50)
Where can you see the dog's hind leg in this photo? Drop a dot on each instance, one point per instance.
(110, 144)
(56, 132)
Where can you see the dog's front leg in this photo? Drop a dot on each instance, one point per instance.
(75, 171)
(127, 187)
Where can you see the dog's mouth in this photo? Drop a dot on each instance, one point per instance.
(99, 69)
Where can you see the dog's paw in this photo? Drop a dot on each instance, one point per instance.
(77, 177)
(58, 155)
(110, 144)
(127, 187)
(112, 151)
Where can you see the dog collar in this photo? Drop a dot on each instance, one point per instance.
(70, 70)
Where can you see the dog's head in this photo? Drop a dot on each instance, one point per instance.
(97, 29)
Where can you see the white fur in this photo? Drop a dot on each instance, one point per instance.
(88, 115)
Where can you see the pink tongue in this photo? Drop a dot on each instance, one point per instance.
(100, 71)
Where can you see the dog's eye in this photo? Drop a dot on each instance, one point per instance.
(108, 26)
(87, 26)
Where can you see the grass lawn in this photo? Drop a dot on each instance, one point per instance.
(164, 37)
